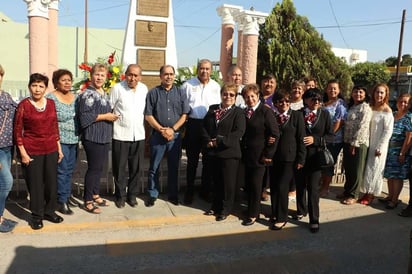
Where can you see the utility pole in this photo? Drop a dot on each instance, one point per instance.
(85, 57)
(400, 51)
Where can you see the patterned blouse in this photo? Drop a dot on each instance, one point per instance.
(66, 120)
(356, 131)
(7, 111)
(90, 104)
(337, 112)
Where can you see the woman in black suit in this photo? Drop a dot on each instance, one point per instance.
(290, 156)
(258, 152)
(223, 127)
(318, 124)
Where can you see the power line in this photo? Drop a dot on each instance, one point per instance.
(337, 23)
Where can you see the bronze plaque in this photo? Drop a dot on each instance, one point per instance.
(150, 59)
(150, 33)
(151, 81)
(153, 8)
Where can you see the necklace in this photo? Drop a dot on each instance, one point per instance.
(40, 108)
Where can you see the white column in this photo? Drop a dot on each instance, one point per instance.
(227, 13)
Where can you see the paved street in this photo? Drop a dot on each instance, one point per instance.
(180, 239)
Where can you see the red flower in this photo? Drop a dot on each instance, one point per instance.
(84, 66)
(110, 60)
(122, 77)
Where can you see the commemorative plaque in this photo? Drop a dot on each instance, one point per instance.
(151, 81)
(150, 59)
(150, 33)
(153, 8)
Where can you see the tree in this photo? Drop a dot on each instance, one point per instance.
(291, 48)
(393, 61)
(368, 74)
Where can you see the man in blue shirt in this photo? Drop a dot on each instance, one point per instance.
(166, 112)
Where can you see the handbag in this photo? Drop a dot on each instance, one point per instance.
(325, 158)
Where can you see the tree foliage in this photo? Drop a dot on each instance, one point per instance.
(368, 74)
(393, 61)
(290, 48)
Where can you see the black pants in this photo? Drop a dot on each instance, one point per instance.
(283, 173)
(130, 155)
(224, 182)
(193, 144)
(354, 167)
(254, 177)
(308, 183)
(41, 180)
(96, 155)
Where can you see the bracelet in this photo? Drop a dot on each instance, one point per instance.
(401, 154)
(174, 130)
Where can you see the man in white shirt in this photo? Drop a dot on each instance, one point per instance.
(201, 91)
(127, 99)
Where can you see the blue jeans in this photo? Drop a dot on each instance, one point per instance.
(6, 179)
(158, 147)
(65, 172)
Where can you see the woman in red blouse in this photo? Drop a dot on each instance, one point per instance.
(37, 138)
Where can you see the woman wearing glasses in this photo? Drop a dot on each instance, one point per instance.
(290, 156)
(318, 125)
(258, 151)
(223, 126)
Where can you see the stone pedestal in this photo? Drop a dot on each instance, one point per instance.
(150, 38)
(53, 52)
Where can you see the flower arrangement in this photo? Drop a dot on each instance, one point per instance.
(114, 74)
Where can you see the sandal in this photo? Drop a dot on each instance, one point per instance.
(367, 199)
(349, 201)
(392, 205)
(91, 208)
(100, 201)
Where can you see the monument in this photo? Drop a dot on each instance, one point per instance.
(150, 38)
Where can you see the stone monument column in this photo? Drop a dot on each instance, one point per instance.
(251, 21)
(150, 38)
(38, 12)
(227, 12)
(53, 38)
(239, 43)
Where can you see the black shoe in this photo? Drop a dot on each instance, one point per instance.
(221, 217)
(150, 202)
(36, 224)
(278, 226)
(299, 216)
(174, 201)
(248, 222)
(314, 228)
(210, 212)
(119, 203)
(54, 218)
(64, 208)
(188, 199)
(131, 202)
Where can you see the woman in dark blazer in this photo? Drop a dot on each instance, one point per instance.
(223, 127)
(258, 152)
(290, 156)
(318, 124)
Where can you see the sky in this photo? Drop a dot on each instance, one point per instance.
(356, 24)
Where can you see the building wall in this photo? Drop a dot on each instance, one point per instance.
(351, 56)
(14, 51)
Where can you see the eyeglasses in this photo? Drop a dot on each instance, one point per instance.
(315, 99)
(282, 102)
(229, 94)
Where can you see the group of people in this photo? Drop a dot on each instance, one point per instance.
(248, 136)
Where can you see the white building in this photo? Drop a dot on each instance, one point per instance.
(351, 56)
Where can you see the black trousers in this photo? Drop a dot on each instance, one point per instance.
(224, 182)
(254, 177)
(193, 144)
(128, 154)
(41, 180)
(308, 184)
(96, 155)
(283, 173)
(354, 167)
